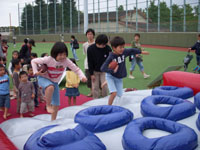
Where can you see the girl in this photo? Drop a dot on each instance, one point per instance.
(72, 83)
(56, 64)
(15, 55)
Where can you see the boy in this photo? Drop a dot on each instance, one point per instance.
(4, 91)
(26, 94)
(4, 48)
(196, 47)
(17, 66)
(74, 45)
(97, 54)
(137, 58)
(33, 79)
(114, 77)
(90, 33)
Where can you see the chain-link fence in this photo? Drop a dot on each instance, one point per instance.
(67, 16)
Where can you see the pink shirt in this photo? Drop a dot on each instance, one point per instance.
(55, 68)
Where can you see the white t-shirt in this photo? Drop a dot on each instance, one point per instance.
(85, 47)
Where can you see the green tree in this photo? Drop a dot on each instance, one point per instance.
(121, 8)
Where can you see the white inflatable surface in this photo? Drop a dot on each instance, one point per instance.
(20, 129)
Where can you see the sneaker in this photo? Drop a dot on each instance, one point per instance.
(146, 76)
(131, 77)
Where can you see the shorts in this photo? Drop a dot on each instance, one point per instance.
(5, 101)
(27, 106)
(44, 83)
(114, 84)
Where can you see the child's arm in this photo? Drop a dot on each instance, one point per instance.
(33, 90)
(9, 68)
(36, 61)
(193, 47)
(104, 67)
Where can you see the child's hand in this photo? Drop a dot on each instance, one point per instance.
(103, 84)
(76, 85)
(40, 73)
(33, 96)
(189, 49)
(145, 52)
(92, 78)
(116, 68)
(84, 79)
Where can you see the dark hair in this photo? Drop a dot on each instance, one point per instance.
(101, 39)
(23, 73)
(58, 47)
(34, 55)
(137, 34)
(15, 62)
(32, 42)
(74, 61)
(72, 36)
(4, 41)
(199, 35)
(1, 58)
(15, 51)
(29, 67)
(25, 41)
(43, 54)
(90, 30)
(117, 41)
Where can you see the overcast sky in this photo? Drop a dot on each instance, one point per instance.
(11, 7)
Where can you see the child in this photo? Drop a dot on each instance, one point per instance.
(17, 66)
(15, 55)
(114, 77)
(196, 47)
(137, 58)
(4, 47)
(33, 79)
(72, 83)
(26, 94)
(74, 45)
(4, 91)
(56, 64)
(90, 33)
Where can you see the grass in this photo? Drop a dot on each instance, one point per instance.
(154, 64)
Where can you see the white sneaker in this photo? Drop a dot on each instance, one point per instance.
(146, 76)
(131, 77)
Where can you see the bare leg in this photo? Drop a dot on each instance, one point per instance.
(111, 98)
(54, 114)
(5, 113)
(74, 100)
(69, 101)
(21, 116)
(48, 96)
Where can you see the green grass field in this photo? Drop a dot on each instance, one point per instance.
(154, 64)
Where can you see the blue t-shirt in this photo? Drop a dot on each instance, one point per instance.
(4, 85)
(120, 59)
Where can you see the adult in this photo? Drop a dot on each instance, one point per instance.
(74, 45)
(25, 52)
(97, 54)
(1, 50)
(90, 34)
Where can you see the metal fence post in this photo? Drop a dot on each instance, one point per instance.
(40, 18)
(117, 28)
(62, 18)
(78, 17)
(137, 15)
(199, 17)
(107, 16)
(158, 15)
(48, 16)
(70, 16)
(171, 15)
(184, 16)
(33, 19)
(147, 17)
(126, 15)
(19, 19)
(99, 17)
(26, 20)
(55, 16)
(85, 15)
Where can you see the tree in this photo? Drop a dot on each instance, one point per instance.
(121, 8)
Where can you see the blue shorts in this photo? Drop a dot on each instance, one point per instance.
(44, 83)
(114, 84)
(5, 101)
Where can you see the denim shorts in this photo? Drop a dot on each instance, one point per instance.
(5, 101)
(114, 84)
(44, 83)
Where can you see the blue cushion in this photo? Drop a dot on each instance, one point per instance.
(180, 108)
(198, 122)
(70, 139)
(104, 117)
(181, 138)
(181, 92)
(197, 100)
